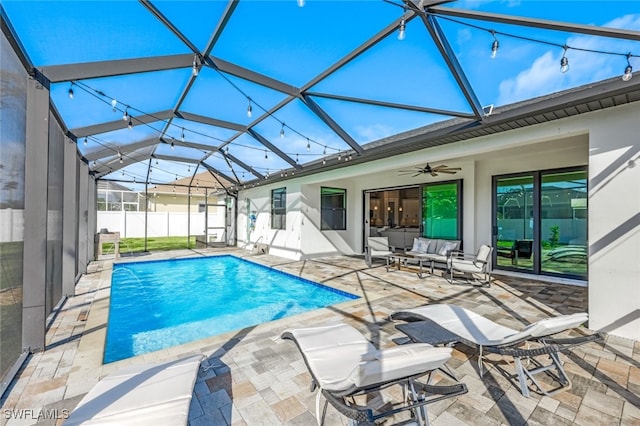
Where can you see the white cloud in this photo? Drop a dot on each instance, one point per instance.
(626, 21)
(543, 76)
(373, 132)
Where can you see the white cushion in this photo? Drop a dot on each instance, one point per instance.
(328, 336)
(332, 367)
(466, 265)
(482, 331)
(483, 253)
(378, 243)
(153, 395)
(399, 362)
(447, 247)
(341, 359)
(466, 324)
(549, 326)
(420, 246)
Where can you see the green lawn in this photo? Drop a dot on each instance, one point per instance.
(11, 254)
(136, 245)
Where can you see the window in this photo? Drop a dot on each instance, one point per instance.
(333, 209)
(279, 208)
(101, 201)
(442, 211)
(116, 200)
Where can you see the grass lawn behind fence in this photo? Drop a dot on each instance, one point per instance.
(136, 245)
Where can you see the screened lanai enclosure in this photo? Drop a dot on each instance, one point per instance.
(148, 118)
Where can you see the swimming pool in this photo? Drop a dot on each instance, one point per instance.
(158, 304)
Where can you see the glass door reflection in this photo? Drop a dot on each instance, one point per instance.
(515, 223)
(563, 227)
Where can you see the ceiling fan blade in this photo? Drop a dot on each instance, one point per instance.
(417, 174)
(441, 166)
(447, 171)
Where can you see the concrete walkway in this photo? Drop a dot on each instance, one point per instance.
(252, 377)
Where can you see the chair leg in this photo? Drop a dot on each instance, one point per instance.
(487, 279)
(480, 366)
(320, 416)
(449, 269)
(564, 383)
(522, 378)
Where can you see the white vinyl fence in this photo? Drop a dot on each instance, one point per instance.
(11, 225)
(159, 224)
(129, 224)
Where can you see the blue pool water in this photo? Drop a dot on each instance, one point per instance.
(158, 304)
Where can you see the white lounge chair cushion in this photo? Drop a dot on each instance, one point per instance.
(342, 366)
(329, 336)
(153, 395)
(553, 325)
(398, 362)
(482, 331)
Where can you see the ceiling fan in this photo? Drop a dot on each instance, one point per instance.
(433, 171)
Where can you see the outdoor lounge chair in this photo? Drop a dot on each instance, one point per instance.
(378, 247)
(521, 249)
(153, 395)
(464, 326)
(343, 364)
(477, 265)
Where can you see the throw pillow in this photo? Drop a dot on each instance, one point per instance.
(423, 245)
(420, 245)
(446, 248)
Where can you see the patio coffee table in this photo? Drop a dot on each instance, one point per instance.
(407, 260)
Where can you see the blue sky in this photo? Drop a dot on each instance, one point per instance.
(293, 45)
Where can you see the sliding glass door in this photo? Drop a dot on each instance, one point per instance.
(431, 210)
(514, 222)
(563, 230)
(540, 222)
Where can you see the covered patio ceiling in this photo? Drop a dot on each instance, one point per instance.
(258, 91)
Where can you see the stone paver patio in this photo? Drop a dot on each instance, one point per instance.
(252, 377)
